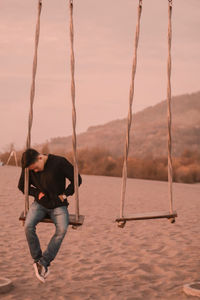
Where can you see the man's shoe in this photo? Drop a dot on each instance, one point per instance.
(45, 272)
(38, 271)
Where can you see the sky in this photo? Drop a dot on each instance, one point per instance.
(104, 42)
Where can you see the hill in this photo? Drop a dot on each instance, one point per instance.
(148, 133)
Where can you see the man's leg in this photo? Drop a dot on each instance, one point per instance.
(60, 217)
(35, 214)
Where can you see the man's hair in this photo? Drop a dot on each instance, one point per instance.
(29, 157)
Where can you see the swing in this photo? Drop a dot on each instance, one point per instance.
(74, 219)
(12, 153)
(171, 215)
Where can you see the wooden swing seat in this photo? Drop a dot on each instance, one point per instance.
(72, 219)
(150, 215)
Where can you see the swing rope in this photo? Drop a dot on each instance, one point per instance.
(74, 143)
(169, 121)
(129, 118)
(32, 96)
(170, 171)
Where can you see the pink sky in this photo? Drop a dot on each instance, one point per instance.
(104, 35)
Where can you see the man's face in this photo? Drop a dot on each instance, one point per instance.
(37, 166)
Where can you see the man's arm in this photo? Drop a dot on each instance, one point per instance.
(32, 191)
(68, 171)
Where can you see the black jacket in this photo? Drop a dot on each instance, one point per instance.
(51, 181)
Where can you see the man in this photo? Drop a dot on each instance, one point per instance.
(47, 176)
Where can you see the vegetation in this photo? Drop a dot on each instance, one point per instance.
(96, 161)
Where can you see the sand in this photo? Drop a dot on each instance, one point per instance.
(145, 260)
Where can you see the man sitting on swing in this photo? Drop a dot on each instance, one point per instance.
(47, 176)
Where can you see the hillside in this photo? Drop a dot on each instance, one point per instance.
(148, 132)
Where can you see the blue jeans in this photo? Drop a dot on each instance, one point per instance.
(60, 218)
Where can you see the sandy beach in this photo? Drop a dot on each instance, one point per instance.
(149, 259)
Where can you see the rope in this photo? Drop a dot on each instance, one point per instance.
(129, 118)
(170, 171)
(74, 111)
(32, 95)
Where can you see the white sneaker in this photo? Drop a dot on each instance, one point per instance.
(45, 272)
(38, 271)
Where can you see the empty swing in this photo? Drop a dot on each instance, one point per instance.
(74, 219)
(171, 214)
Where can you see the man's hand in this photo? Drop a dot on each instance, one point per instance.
(61, 197)
(40, 195)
